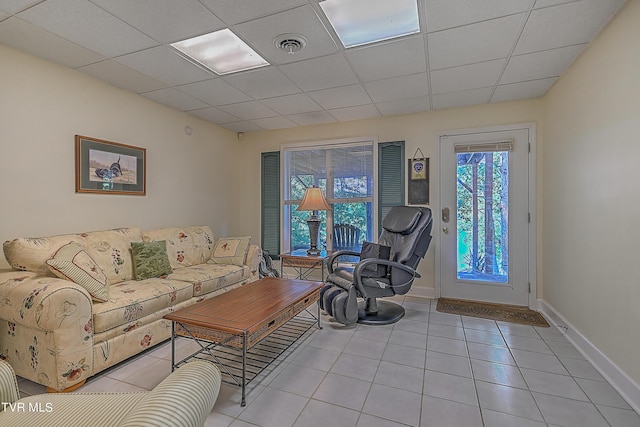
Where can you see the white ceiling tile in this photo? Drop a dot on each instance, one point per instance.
(404, 106)
(4, 15)
(214, 92)
(249, 110)
(175, 99)
(398, 88)
(164, 20)
(235, 11)
(546, 3)
(243, 126)
(483, 41)
(355, 113)
(311, 118)
(15, 6)
(214, 115)
(466, 77)
(274, 123)
(524, 90)
(290, 104)
(260, 33)
(443, 14)
(565, 25)
(121, 76)
(22, 35)
(340, 97)
(165, 64)
(533, 66)
(87, 25)
(265, 82)
(390, 59)
(462, 98)
(320, 73)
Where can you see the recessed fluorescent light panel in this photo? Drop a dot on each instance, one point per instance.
(221, 51)
(359, 22)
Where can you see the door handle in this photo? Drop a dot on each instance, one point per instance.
(445, 214)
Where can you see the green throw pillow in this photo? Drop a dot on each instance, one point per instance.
(150, 259)
(72, 262)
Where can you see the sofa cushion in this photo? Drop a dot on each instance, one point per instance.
(73, 263)
(134, 299)
(111, 249)
(150, 259)
(186, 246)
(231, 250)
(210, 277)
(32, 253)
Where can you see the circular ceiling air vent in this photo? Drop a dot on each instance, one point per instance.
(290, 43)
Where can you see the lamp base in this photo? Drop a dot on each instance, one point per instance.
(312, 251)
(314, 229)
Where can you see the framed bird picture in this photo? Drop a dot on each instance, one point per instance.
(107, 167)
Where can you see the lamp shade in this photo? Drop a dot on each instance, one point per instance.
(313, 200)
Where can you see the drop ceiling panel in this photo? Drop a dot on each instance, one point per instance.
(4, 15)
(22, 35)
(473, 76)
(311, 118)
(340, 97)
(474, 43)
(396, 58)
(236, 11)
(355, 113)
(121, 76)
(291, 104)
(87, 25)
(398, 88)
(274, 123)
(165, 64)
(265, 82)
(462, 98)
(443, 14)
(260, 33)
(249, 110)
(565, 25)
(15, 6)
(214, 92)
(534, 66)
(175, 99)
(242, 126)
(214, 115)
(404, 106)
(320, 73)
(166, 21)
(523, 90)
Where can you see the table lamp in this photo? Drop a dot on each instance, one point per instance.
(314, 201)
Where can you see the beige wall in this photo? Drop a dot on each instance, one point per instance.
(42, 107)
(417, 130)
(592, 193)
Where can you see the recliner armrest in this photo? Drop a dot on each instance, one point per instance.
(358, 273)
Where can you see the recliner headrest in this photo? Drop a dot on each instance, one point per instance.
(401, 219)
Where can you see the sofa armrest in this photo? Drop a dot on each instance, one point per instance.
(254, 256)
(44, 303)
(184, 398)
(9, 391)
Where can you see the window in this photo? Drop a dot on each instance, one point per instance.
(345, 173)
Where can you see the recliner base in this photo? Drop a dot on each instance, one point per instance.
(386, 314)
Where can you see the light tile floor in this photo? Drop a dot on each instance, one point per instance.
(429, 369)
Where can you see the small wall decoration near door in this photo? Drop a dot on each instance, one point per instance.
(418, 185)
(109, 167)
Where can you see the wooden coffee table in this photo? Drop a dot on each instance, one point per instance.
(259, 315)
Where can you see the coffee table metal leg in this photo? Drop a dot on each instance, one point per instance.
(244, 367)
(173, 346)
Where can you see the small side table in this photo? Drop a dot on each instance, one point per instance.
(303, 263)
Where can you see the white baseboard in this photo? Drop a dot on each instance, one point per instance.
(626, 386)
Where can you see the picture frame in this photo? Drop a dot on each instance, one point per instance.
(106, 167)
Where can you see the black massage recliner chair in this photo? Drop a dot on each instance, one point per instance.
(385, 269)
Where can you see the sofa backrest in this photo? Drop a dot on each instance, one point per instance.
(111, 249)
(186, 246)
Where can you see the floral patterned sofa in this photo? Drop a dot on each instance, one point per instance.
(77, 304)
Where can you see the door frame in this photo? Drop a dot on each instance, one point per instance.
(532, 233)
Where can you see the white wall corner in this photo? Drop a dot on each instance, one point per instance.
(625, 385)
